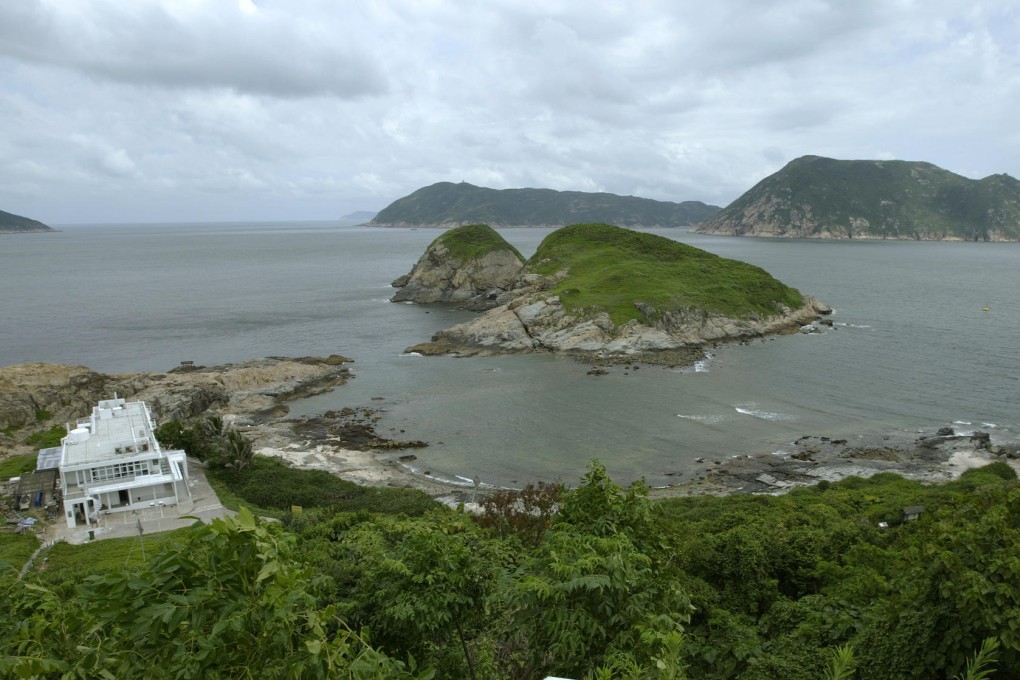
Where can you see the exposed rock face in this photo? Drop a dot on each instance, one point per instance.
(69, 392)
(471, 282)
(536, 321)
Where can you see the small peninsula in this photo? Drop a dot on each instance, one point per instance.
(598, 290)
(471, 266)
(16, 224)
(446, 204)
(815, 197)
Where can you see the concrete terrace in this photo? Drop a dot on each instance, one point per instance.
(204, 505)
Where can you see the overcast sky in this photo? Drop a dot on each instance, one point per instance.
(195, 110)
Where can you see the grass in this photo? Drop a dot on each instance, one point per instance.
(611, 269)
(473, 241)
(47, 438)
(15, 549)
(270, 487)
(66, 564)
(15, 466)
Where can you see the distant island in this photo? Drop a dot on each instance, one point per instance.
(816, 197)
(446, 204)
(603, 292)
(357, 217)
(16, 224)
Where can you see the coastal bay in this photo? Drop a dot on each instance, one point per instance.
(911, 347)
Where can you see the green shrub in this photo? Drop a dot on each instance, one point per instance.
(270, 483)
(47, 438)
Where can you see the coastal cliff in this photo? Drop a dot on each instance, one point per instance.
(815, 197)
(597, 289)
(471, 266)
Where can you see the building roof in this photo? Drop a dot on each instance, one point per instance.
(48, 459)
(34, 482)
(116, 429)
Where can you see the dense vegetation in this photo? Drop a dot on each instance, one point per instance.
(15, 223)
(474, 241)
(883, 199)
(611, 269)
(448, 204)
(273, 487)
(598, 582)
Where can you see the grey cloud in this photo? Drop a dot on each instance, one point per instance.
(145, 44)
(314, 108)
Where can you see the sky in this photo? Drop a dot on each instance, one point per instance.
(115, 111)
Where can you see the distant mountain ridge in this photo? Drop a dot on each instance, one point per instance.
(816, 197)
(446, 204)
(357, 217)
(16, 224)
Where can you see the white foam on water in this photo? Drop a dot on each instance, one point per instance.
(990, 425)
(702, 419)
(703, 365)
(962, 422)
(412, 354)
(780, 452)
(752, 410)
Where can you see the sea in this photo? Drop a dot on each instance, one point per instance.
(925, 335)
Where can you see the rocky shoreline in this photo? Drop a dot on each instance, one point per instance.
(926, 457)
(253, 396)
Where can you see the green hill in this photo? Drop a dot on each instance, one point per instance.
(15, 224)
(815, 197)
(619, 271)
(473, 241)
(446, 204)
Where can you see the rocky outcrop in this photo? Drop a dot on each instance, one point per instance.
(468, 277)
(598, 290)
(536, 321)
(813, 459)
(36, 396)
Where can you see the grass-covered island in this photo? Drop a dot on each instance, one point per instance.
(877, 579)
(603, 290)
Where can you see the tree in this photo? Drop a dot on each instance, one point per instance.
(589, 600)
(229, 601)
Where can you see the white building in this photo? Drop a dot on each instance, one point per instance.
(113, 463)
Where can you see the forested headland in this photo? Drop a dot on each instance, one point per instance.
(596, 581)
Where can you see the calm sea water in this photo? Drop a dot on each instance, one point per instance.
(912, 347)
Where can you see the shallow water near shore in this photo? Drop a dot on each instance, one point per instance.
(911, 349)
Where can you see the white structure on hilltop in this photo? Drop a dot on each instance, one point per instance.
(113, 463)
